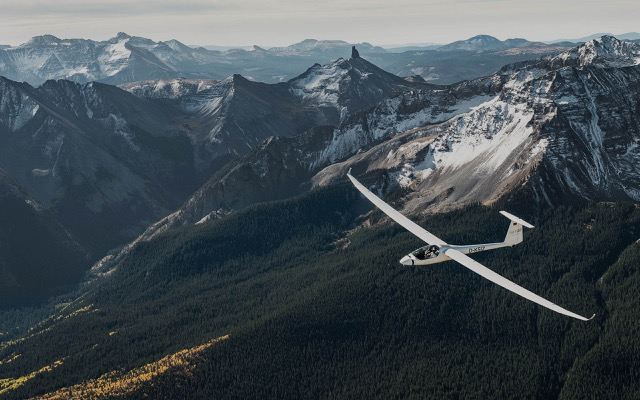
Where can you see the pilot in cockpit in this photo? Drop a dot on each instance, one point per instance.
(426, 252)
(432, 252)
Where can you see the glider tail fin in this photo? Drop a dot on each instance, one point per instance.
(514, 234)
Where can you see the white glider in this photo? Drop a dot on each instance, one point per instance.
(437, 250)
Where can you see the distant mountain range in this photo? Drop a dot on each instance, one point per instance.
(622, 36)
(124, 59)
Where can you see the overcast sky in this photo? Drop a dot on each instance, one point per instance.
(280, 22)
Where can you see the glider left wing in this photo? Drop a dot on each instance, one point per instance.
(405, 222)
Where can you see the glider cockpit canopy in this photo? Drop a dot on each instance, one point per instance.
(426, 252)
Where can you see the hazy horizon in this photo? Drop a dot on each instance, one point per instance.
(276, 23)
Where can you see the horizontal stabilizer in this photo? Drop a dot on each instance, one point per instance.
(516, 219)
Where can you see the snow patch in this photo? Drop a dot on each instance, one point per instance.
(386, 122)
(321, 84)
(114, 57)
(120, 127)
(474, 136)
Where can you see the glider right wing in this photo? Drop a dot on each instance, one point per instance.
(499, 280)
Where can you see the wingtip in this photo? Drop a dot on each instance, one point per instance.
(349, 172)
(592, 317)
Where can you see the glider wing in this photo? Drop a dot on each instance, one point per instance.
(486, 273)
(405, 222)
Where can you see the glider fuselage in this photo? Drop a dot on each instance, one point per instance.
(432, 254)
(437, 250)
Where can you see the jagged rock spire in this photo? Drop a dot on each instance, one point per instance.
(354, 52)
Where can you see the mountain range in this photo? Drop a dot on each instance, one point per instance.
(540, 125)
(621, 36)
(125, 59)
(230, 250)
(110, 161)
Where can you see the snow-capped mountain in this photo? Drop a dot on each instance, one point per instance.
(235, 115)
(349, 85)
(168, 88)
(561, 126)
(110, 162)
(553, 129)
(121, 59)
(606, 52)
(125, 59)
(564, 126)
(118, 59)
(373, 104)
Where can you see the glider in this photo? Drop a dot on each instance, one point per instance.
(437, 250)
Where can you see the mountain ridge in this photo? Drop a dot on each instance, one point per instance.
(501, 107)
(124, 58)
(348, 113)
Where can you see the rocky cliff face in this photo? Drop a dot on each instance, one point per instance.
(105, 160)
(564, 126)
(38, 257)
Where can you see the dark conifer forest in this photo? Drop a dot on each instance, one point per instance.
(315, 305)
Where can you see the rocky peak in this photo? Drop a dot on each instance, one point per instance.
(122, 36)
(354, 83)
(177, 45)
(354, 52)
(608, 51)
(608, 48)
(168, 89)
(476, 43)
(44, 40)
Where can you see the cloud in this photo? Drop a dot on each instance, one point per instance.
(279, 22)
(35, 8)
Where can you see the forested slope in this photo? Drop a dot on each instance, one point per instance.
(317, 306)
(38, 257)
